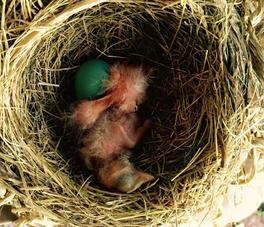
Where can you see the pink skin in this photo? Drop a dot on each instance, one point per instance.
(111, 133)
(87, 112)
(131, 136)
(107, 145)
(111, 137)
(121, 175)
(126, 90)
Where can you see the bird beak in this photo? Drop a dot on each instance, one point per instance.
(141, 178)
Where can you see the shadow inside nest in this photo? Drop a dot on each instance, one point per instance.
(178, 92)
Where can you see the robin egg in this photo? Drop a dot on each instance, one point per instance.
(89, 79)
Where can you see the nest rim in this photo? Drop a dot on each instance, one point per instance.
(143, 211)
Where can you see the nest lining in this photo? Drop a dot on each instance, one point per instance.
(196, 102)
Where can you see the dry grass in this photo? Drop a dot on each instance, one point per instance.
(205, 101)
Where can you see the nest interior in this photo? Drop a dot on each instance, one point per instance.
(196, 100)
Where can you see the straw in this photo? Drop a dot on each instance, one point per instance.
(205, 101)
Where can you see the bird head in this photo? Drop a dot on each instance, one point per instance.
(121, 175)
(128, 85)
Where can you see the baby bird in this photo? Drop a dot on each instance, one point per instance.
(120, 174)
(125, 89)
(105, 150)
(127, 86)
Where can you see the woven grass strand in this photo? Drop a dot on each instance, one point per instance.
(206, 104)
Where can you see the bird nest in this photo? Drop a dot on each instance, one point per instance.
(204, 101)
